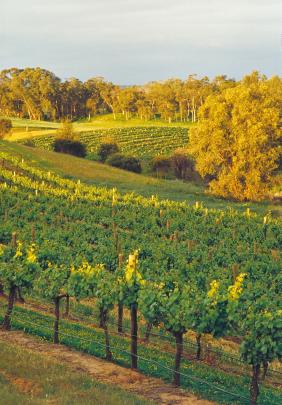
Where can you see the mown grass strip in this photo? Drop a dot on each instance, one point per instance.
(83, 338)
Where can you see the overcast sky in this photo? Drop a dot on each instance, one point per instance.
(135, 41)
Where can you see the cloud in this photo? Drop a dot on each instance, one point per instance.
(132, 41)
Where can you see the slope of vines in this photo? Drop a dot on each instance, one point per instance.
(144, 142)
(192, 268)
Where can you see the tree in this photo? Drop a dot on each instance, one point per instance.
(161, 165)
(66, 131)
(5, 127)
(238, 139)
(107, 149)
(128, 98)
(69, 146)
(125, 162)
(182, 165)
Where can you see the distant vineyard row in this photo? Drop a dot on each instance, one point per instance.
(141, 142)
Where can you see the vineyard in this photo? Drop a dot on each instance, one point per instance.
(168, 271)
(144, 142)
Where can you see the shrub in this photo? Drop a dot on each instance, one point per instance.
(69, 146)
(30, 143)
(66, 131)
(106, 150)
(5, 127)
(182, 164)
(121, 161)
(161, 165)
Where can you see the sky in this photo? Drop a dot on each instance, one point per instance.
(133, 42)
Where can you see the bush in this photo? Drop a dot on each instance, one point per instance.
(161, 165)
(75, 148)
(5, 127)
(182, 164)
(106, 150)
(30, 143)
(121, 161)
(66, 131)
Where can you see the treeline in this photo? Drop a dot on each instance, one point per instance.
(39, 94)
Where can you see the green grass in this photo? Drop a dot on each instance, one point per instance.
(24, 128)
(24, 123)
(103, 175)
(91, 341)
(108, 121)
(100, 121)
(27, 378)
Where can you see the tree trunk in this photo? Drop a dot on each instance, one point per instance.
(57, 319)
(178, 355)
(199, 346)
(67, 310)
(148, 331)
(109, 355)
(254, 389)
(120, 318)
(134, 331)
(19, 296)
(11, 301)
(265, 369)
(101, 318)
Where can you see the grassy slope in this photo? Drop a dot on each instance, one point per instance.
(103, 175)
(28, 378)
(24, 128)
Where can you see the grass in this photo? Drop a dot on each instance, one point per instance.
(25, 128)
(102, 175)
(34, 379)
(91, 341)
(108, 121)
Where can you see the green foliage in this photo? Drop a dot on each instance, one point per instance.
(143, 142)
(237, 142)
(106, 150)
(182, 164)
(69, 146)
(161, 165)
(125, 162)
(30, 143)
(38, 94)
(66, 131)
(18, 266)
(206, 270)
(5, 127)
(52, 281)
(81, 337)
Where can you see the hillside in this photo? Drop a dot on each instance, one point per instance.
(77, 232)
(103, 175)
(25, 128)
(142, 142)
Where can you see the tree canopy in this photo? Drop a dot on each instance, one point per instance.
(237, 142)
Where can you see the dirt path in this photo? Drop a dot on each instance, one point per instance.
(106, 372)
